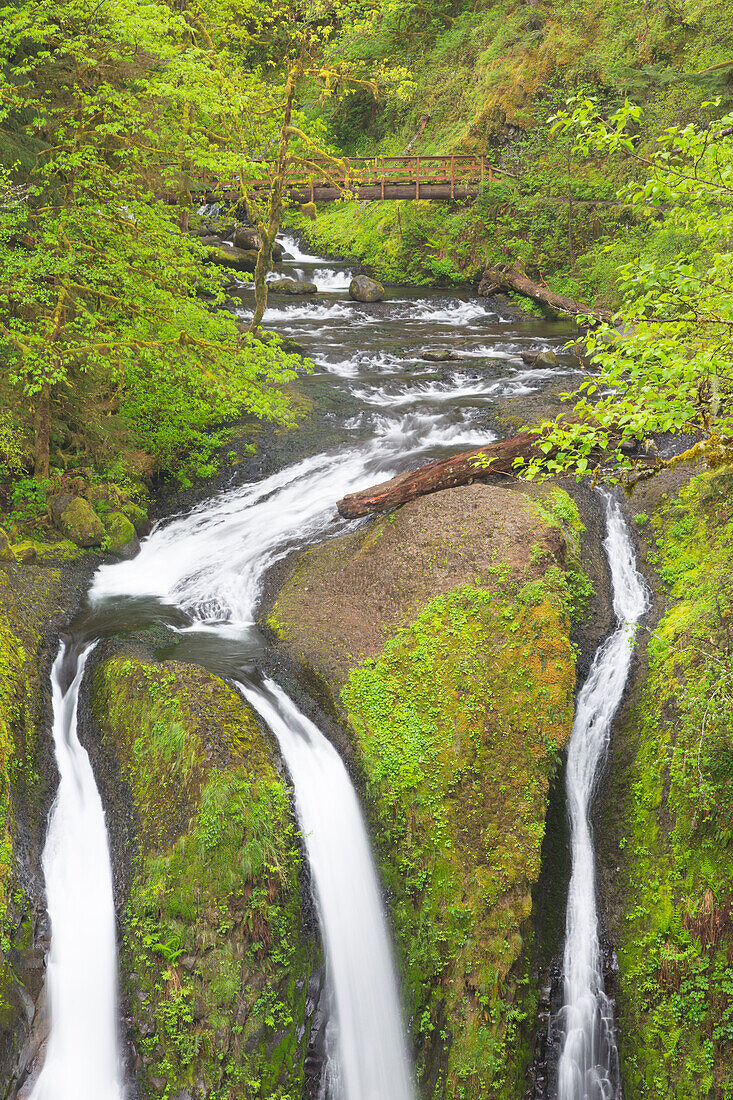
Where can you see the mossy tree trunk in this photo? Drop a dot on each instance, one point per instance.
(268, 230)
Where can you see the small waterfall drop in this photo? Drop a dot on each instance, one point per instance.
(370, 1061)
(588, 1066)
(82, 1056)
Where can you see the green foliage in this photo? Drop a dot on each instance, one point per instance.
(664, 361)
(109, 322)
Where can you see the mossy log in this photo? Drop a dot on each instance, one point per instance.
(447, 473)
(504, 275)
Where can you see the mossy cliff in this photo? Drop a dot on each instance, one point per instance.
(446, 630)
(35, 601)
(220, 969)
(666, 826)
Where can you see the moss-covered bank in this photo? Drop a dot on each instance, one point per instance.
(219, 965)
(667, 821)
(446, 629)
(36, 599)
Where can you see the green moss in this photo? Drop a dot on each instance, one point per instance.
(120, 532)
(215, 953)
(460, 722)
(675, 935)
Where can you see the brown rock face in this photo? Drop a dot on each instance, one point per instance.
(343, 599)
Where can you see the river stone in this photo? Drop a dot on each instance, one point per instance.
(440, 356)
(6, 553)
(540, 359)
(364, 289)
(121, 536)
(78, 521)
(237, 258)
(291, 286)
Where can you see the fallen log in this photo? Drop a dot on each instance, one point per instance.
(505, 276)
(460, 469)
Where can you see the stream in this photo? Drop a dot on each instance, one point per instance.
(204, 570)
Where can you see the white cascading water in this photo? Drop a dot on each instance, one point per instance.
(588, 1066)
(211, 563)
(371, 1061)
(82, 1056)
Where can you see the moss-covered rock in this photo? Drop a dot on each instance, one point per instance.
(121, 537)
(667, 822)
(442, 633)
(78, 522)
(217, 959)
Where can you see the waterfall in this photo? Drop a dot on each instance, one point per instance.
(370, 1061)
(82, 1056)
(588, 1066)
(210, 564)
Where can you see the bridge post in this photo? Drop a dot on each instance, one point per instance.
(382, 177)
(417, 179)
(452, 178)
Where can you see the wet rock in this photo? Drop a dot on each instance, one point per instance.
(540, 359)
(237, 258)
(435, 356)
(6, 553)
(77, 520)
(291, 286)
(364, 289)
(121, 536)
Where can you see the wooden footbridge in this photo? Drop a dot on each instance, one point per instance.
(441, 177)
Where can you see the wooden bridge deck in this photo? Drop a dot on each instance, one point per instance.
(440, 177)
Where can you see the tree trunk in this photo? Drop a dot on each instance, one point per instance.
(268, 230)
(503, 275)
(43, 433)
(460, 469)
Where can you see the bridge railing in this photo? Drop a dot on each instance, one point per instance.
(448, 170)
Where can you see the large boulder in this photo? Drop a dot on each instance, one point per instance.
(121, 536)
(291, 286)
(364, 289)
(238, 259)
(249, 239)
(440, 636)
(77, 520)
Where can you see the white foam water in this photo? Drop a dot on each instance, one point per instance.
(82, 1056)
(588, 1066)
(370, 1061)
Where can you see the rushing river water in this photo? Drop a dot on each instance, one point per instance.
(389, 410)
